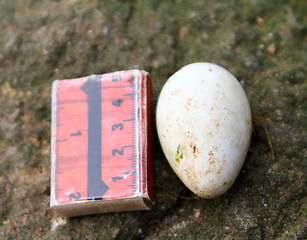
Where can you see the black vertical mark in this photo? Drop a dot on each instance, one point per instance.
(79, 133)
(96, 187)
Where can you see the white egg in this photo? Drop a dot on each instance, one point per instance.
(204, 126)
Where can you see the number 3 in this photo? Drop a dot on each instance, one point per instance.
(115, 126)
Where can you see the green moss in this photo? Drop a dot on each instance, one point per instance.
(179, 153)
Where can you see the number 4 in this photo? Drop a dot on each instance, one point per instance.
(117, 103)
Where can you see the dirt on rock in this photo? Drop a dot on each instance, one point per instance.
(263, 43)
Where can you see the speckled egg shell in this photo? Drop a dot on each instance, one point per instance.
(204, 126)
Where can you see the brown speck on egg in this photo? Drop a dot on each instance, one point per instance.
(211, 157)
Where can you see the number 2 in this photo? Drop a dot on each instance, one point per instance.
(120, 152)
(73, 196)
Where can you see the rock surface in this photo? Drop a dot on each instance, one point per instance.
(260, 42)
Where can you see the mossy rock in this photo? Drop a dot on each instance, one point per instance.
(261, 42)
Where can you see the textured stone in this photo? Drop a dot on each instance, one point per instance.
(42, 41)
